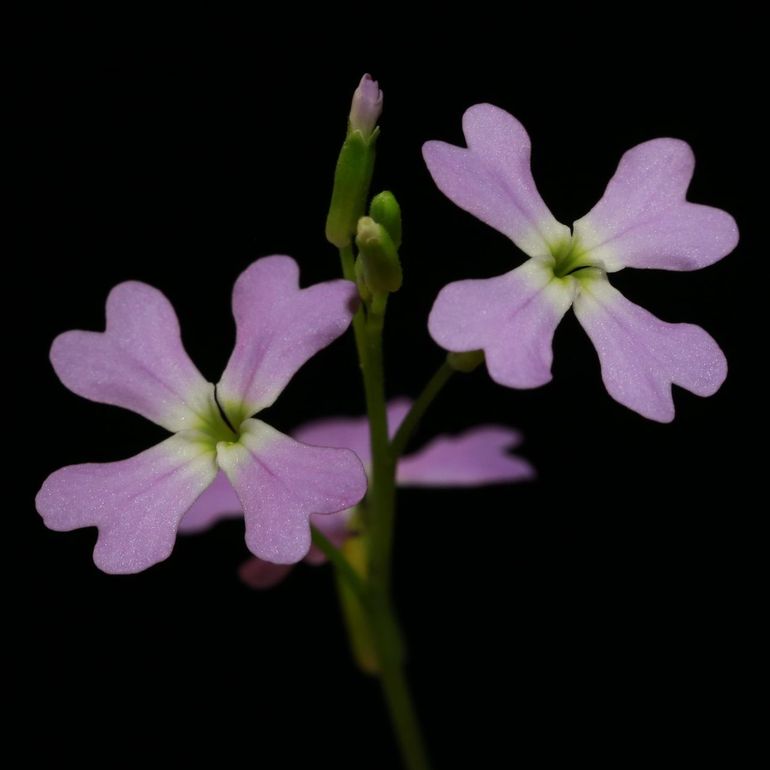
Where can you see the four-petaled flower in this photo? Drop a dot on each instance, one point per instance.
(139, 363)
(642, 220)
(476, 457)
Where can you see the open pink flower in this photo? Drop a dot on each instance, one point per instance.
(474, 458)
(642, 220)
(139, 363)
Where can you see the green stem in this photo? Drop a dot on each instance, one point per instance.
(359, 320)
(380, 514)
(344, 568)
(348, 263)
(380, 507)
(387, 641)
(381, 499)
(424, 400)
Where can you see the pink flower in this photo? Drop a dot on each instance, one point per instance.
(139, 363)
(476, 457)
(642, 220)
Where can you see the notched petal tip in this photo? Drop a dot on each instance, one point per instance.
(280, 326)
(135, 504)
(644, 219)
(641, 356)
(281, 483)
(138, 362)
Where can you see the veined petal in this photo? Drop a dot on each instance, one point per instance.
(279, 327)
(512, 318)
(492, 179)
(218, 502)
(138, 362)
(475, 457)
(281, 482)
(641, 356)
(260, 574)
(644, 220)
(136, 504)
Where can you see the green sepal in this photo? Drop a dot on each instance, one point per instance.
(352, 178)
(384, 210)
(378, 256)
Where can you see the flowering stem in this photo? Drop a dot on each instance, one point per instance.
(387, 640)
(381, 500)
(383, 626)
(344, 569)
(424, 400)
(349, 272)
(372, 584)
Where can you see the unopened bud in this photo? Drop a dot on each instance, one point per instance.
(385, 210)
(379, 257)
(354, 164)
(366, 107)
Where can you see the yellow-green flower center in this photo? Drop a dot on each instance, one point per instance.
(569, 256)
(217, 425)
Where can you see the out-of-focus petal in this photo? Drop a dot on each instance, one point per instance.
(492, 179)
(136, 504)
(138, 362)
(279, 327)
(260, 574)
(350, 432)
(641, 356)
(476, 457)
(644, 220)
(512, 318)
(281, 482)
(218, 502)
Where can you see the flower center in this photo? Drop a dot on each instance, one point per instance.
(217, 426)
(569, 256)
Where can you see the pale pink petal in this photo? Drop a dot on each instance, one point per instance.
(475, 457)
(279, 327)
(512, 318)
(493, 181)
(260, 574)
(281, 482)
(641, 356)
(138, 363)
(218, 502)
(136, 504)
(643, 219)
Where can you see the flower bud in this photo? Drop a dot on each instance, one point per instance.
(379, 257)
(366, 108)
(385, 210)
(354, 164)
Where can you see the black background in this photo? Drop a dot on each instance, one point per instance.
(604, 611)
